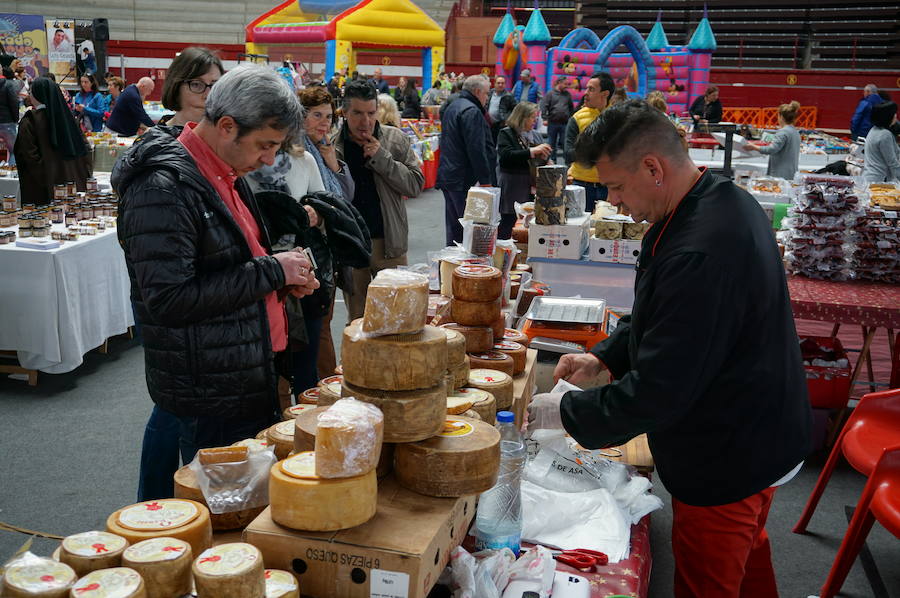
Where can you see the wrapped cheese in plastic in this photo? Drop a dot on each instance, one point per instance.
(396, 303)
(483, 205)
(608, 229)
(635, 230)
(348, 439)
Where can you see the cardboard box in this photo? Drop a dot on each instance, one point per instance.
(612, 316)
(560, 241)
(399, 553)
(620, 251)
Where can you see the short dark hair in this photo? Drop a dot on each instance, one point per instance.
(606, 83)
(632, 128)
(191, 63)
(359, 90)
(883, 114)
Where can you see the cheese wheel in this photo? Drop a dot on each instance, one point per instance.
(37, 577)
(330, 389)
(164, 564)
(310, 396)
(396, 303)
(497, 383)
(295, 410)
(463, 459)
(232, 570)
(409, 415)
(262, 435)
(471, 415)
(516, 336)
(478, 338)
(483, 403)
(522, 267)
(456, 347)
(477, 283)
(457, 404)
(348, 439)
(281, 584)
(498, 328)
(281, 437)
(394, 362)
(474, 313)
(254, 444)
(116, 582)
(303, 501)
(386, 460)
(186, 486)
(492, 360)
(305, 429)
(89, 551)
(176, 517)
(514, 286)
(459, 374)
(514, 350)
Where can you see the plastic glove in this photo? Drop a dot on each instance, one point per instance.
(543, 412)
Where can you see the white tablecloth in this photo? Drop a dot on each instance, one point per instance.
(10, 185)
(56, 305)
(757, 162)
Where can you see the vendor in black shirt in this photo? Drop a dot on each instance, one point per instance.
(708, 364)
(707, 109)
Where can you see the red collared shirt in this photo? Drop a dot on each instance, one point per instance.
(222, 178)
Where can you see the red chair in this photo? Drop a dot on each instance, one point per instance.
(873, 425)
(880, 501)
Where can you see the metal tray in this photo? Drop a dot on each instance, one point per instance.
(566, 309)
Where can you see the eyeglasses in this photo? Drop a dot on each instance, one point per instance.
(198, 86)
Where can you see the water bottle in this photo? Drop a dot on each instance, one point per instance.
(498, 521)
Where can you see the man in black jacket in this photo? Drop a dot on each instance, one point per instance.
(557, 108)
(709, 364)
(205, 287)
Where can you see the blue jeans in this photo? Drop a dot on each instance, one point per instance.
(556, 137)
(593, 192)
(454, 208)
(306, 374)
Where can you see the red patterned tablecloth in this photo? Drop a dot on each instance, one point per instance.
(864, 303)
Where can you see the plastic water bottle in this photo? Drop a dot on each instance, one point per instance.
(498, 522)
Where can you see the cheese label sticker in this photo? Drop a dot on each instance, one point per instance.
(279, 582)
(454, 428)
(286, 428)
(331, 380)
(158, 514)
(490, 356)
(45, 575)
(487, 376)
(298, 409)
(227, 559)
(388, 584)
(510, 333)
(507, 346)
(156, 549)
(119, 582)
(93, 544)
(472, 270)
(302, 465)
(311, 392)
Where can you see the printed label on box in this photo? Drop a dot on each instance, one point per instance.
(388, 584)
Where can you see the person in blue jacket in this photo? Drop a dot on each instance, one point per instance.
(526, 88)
(862, 117)
(90, 103)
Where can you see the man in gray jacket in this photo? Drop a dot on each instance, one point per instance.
(385, 170)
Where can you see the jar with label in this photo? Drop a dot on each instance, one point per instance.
(24, 232)
(60, 191)
(39, 219)
(7, 219)
(71, 188)
(9, 203)
(27, 208)
(87, 211)
(71, 218)
(92, 185)
(4, 238)
(24, 221)
(57, 216)
(41, 231)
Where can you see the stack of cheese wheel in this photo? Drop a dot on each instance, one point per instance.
(329, 389)
(121, 582)
(481, 401)
(515, 351)
(499, 384)
(396, 303)
(492, 360)
(516, 336)
(31, 576)
(305, 440)
(348, 439)
(463, 459)
(478, 338)
(165, 565)
(233, 570)
(281, 438)
(179, 518)
(457, 360)
(476, 296)
(295, 410)
(281, 584)
(90, 551)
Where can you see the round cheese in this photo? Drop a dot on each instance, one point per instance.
(117, 582)
(498, 327)
(295, 410)
(483, 403)
(522, 267)
(497, 383)
(186, 486)
(463, 459)
(474, 313)
(329, 389)
(478, 338)
(281, 584)
(164, 564)
(386, 460)
(262, 434)
(457, 404)
(459, 374)
(492, 360)
(310, 396)
(516, 336)
(514, 350)
(90, 551)
(396, 303)
(233, 570)
(348, 439)
(305, 429)
(394, 362)
(303, 501)
(37, 577)
(456, 347)
(281, 436)
(254, 444)
(514, 286)
(477, 283)
(409, 415)
(176, 517)
(471, 415)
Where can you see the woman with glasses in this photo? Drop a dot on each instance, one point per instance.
(188, 81)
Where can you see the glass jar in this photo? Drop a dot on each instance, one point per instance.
(92, 185)
(57, 215)
(4, 238)
(60, 191)
(87, 211)
(41, 231)
(24, 232)
(27, 208)
(9, 203)
(38, 219)
(71, 218)
(7, 219)
(24, 221)
(71, 188)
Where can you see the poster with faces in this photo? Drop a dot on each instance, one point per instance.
(61, 47)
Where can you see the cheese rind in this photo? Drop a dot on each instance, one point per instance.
(459, 374)
(164, 564)
(232, 570)
(186, 486)
(305, 429)
(495, 382)
(37, 577)
(514, 350)
(295, 410)
(310, 396)
(329, 389)
(492, 360)
(456, 347)
(475, 313)
(483, 403)
(348, 439)
(396, 303)
(115, 582)
(478, 338)
(281, 584)
(471, 415)
(164, 519)
(281, 437)
(90, 551)
(408, 415)
(516, 336)
(457, 404)
(477, 283)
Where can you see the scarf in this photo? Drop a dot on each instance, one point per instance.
(65, 134)
(329, 179)
(274, 177)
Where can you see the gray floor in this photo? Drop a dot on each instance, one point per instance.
(69, 454)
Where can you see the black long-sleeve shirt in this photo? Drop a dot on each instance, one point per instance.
(709, 363)
(710, 112)
(129, 114)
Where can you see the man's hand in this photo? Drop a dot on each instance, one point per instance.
(370, 147)
(313, 216)
(543, 412)
(578, 368)
(297, 269)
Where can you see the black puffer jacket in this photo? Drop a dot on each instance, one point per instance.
(197, 290)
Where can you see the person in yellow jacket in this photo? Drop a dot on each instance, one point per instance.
(599, 90)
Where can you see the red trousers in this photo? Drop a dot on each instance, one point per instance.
(723, 551)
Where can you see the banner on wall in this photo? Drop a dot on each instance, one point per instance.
(24, 37)
(61, 49)
(87, 58)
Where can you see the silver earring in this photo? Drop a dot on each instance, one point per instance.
(657, 183)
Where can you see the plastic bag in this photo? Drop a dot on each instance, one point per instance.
(235, 486)
(348, 439)
(481, 575)
(396, 303)
(532, 572)
(483, 205)
(478, 238)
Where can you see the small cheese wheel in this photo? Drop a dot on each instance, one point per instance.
(463, 459)
(89, 551)
(492, 360)
(495, 382)
(409, 415)
(186, 486)
(498, 328)
(295, 410)
(457, 404)
(456, 347)
(164, 564)
(116, 582)
(348, 439)
(37, 577)
(522, 267)
(474, 313)
(396, 303)
(471, 415)
(483, 403)
(303, 501)
(514, 350)
(477, 283)
(516, 336)
(254, 444)
(459, 374)
(305, 429)
(180, 518)
(478, 338)
(394, 362)
(329, 389)
(281, 437)
(310, 396)
(281, 584)
(232, 570)
(514, 286)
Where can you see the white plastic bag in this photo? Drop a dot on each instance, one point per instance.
(230, 487)
(532, 572)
